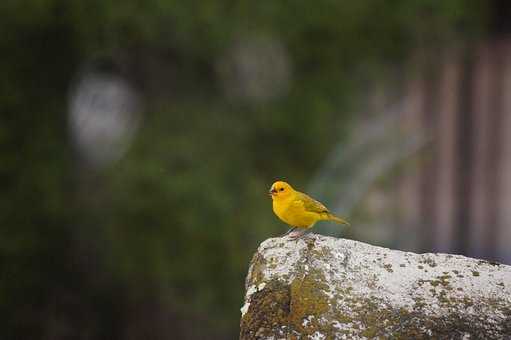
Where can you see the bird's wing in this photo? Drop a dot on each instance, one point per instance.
(310, 204)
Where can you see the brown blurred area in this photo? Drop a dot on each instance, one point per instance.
(455, 196)
(462, 189)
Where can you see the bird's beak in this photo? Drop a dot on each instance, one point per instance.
(271, 192)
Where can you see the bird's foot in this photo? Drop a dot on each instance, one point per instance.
(288, 232)
(300, 234)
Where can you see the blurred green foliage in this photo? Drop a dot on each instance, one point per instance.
(160, 242)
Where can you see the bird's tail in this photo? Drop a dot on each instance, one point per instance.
(332, 217)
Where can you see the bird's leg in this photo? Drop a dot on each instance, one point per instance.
(302, 234)
(289, 231)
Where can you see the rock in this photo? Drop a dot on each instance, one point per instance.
(325, 288)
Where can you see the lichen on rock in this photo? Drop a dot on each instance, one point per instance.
(325, 288)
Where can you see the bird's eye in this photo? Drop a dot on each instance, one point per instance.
(281, 189)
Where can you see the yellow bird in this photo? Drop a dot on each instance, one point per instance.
(298, 209)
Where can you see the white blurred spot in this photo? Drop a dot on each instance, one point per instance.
(244, 309)
(256, 70)
(104, 115)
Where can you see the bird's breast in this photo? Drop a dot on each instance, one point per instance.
(293, 214)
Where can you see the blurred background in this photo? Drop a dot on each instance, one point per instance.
(139, 138)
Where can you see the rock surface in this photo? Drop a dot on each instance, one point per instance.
(325, 288)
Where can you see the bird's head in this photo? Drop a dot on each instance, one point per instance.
(280, 190)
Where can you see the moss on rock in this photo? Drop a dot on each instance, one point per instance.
(268, 312)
